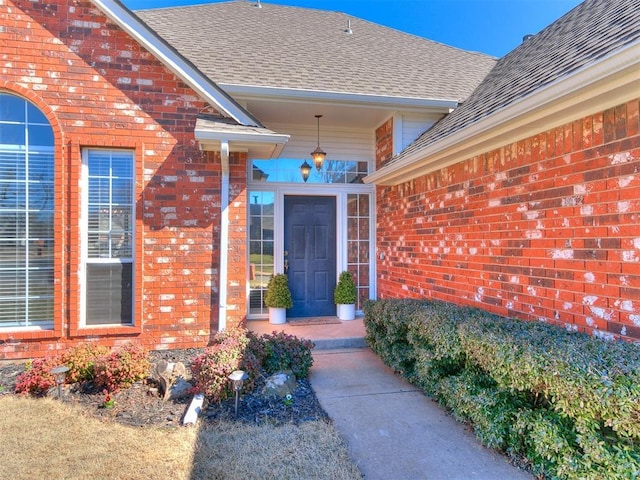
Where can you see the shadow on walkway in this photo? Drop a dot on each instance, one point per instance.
(392, 429)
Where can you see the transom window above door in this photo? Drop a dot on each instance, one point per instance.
(287, 170)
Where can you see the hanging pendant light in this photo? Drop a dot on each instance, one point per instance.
(318, 154)
(305, 170)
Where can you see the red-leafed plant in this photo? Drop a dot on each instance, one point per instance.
(37, 379)
(229, 352)
(81, 361)
(121, 368)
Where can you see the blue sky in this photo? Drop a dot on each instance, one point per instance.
(494, 27)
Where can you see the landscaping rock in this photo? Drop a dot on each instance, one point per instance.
(280, 385)
(172, 379)
(179, 390)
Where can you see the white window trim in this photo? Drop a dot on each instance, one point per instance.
(84, 241)
(340, 192)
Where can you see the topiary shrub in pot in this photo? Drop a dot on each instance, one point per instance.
(278, 298)
(345, 296)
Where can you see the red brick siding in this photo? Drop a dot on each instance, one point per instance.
(237, 273)
(547, 228)
(384, 143)
(99, 88)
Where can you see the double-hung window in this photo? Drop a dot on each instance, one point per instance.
(109, 219)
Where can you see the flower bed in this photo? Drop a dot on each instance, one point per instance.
(117, 385)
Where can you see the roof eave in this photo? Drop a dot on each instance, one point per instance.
(342, 98)
(610, 81)
(244, 139)
(208, 90)
(211, 136)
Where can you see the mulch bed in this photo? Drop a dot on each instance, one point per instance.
(142, 405)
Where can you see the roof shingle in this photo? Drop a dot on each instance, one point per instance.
(589, 32)
(298, 48)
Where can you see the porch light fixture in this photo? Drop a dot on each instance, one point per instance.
(60, 375)
(318, 154)
(305, 170)
(238, 377)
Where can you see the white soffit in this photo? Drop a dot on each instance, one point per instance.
(344, 110)
(249, 91)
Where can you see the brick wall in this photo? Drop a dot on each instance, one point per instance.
(384, 143)
(237, 273)
(101, 89)
(547, 228)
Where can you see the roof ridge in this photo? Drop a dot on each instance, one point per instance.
(323, 10)
(276, 47)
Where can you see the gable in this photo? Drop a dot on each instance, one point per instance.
(126, 20)
(585, 61)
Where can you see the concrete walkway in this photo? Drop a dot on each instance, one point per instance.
(393, 431)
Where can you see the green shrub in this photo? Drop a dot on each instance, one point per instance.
(548, 441)
(438, 351)
(474, 397)
(105, 369)
(81, 361)
(386, 324)
(239, 349)
(586, 378)
(278, 294)
(345, 292)
(287, 352)
(567, 402)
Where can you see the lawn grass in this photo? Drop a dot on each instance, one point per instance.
(44, 438)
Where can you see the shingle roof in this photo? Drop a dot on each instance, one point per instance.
(589, 32)
(298, 48)
(130, 23)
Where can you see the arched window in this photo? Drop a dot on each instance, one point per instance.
(26, 215)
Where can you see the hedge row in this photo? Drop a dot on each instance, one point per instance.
(566, 402)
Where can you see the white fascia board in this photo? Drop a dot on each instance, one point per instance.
(342, 98)
(240, 141)
(609, 82)
(151, 41)
(209, 136)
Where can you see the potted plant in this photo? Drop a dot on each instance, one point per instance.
(278, 298)
(345, 295)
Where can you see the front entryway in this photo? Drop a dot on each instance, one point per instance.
(310, 253)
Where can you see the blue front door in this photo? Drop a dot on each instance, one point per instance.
(310, 254)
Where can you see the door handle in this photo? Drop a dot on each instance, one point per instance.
(286, 266)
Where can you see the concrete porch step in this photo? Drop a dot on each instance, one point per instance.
(339, 343)
(345, 334)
